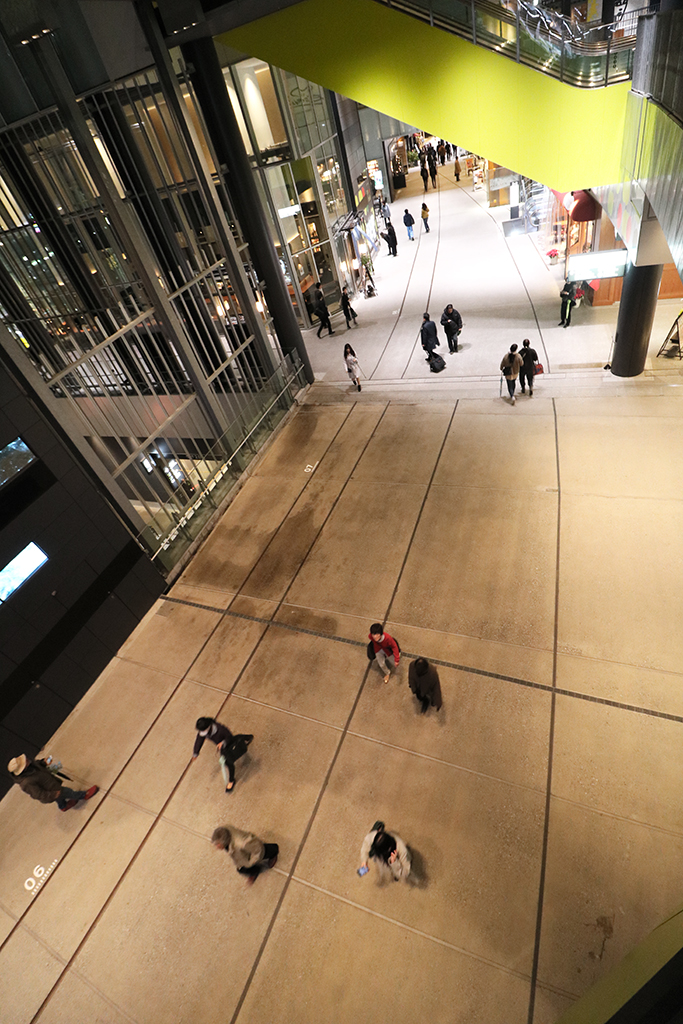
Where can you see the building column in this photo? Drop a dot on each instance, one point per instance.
(206, 75)
(634, 323)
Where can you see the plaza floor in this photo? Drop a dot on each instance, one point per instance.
(531, 551)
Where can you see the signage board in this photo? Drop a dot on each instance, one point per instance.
(590, 266)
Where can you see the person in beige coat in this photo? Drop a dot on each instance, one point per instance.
(388, 851)
(250, 854)
(510, 366)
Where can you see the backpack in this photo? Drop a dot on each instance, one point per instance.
(436, 363)
(237, 748)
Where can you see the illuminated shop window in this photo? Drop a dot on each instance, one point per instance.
(14, 458)
(21, 568)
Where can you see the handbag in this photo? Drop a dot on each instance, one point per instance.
(538, 367)
(370, 651)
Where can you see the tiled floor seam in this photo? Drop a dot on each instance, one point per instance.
(415, 931)
(135, 854)
(431, 280)
(627, 819)
(399, 315)
(470, 669)
(551, 741)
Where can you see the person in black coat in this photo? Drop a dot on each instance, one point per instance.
(567, 303)
(451, 321)
(528, 371)
(392, 241)
(321, 311)
(230, 748)
(428, 335)
(425, 176)
(423, 680)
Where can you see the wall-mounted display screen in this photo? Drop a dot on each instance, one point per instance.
(14, 458)
(589, 266)
(20, 569)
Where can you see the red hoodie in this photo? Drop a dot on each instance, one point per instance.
(388, 645)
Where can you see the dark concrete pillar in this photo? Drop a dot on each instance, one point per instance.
(209, 84)
(634, 323)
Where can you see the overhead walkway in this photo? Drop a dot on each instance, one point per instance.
(546, 129)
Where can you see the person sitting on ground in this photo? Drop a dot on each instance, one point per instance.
(384, 649)
(36, 780)
(423, 680)
(388, 851)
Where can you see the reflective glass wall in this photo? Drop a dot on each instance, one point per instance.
(289, 132)
(163, 351)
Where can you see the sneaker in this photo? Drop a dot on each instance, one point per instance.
(359, 387)
(68, 805)
(512, 400)
(561, 323)
(530, 392)
(523, 391)
(91, 792)
(272, 862)
(251, 879)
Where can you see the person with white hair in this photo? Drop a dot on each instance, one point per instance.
(36, 780)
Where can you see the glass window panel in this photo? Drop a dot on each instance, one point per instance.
(14, 458)
(21, 568)
(263, 109)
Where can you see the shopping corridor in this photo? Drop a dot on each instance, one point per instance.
(529, 552)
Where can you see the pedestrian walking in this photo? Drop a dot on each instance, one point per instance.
(428, 336)
(567, 303)
(424, 173)
(392, 240)
(432, 173)
(424, 213)
(448, 150)
(385, 212)
(36, 780)
(451, 321)
(383, 649)
(423, 680)
(229, 748)
(409, 220)
(388, 851)
(352, 366)
(250, 854)
(442, 153)
(349, 312)
(510, 366)
(321, 311)
(457, 168)
(528, 370)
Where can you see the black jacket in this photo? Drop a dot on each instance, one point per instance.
(451, 322)
(428, 335)
(529, 356)
(427, 686)
(39, 783)
(408, 219)
(217, 734)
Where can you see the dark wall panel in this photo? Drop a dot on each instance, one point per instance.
(62, 627)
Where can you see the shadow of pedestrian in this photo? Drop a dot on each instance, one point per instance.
(418, 877)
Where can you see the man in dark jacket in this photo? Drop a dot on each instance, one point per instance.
(528, 370)
(424, 174)
(409, 220)
(392, 241)
(36, 780)
(230, 748)
(428, 335)
(320, 309)
(423, 680)
(567, 303)
(451, 321)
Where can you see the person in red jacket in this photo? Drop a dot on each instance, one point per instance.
(386, 651)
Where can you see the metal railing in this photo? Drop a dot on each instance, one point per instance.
(586, 56)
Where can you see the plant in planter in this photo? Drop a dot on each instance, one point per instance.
(554, 255)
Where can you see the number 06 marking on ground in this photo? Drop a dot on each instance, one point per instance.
(40, 873)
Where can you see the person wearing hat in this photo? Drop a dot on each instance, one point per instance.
(230, 748)
(35, 779)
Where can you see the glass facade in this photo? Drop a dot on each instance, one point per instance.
(289, 131)
(162, 350)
